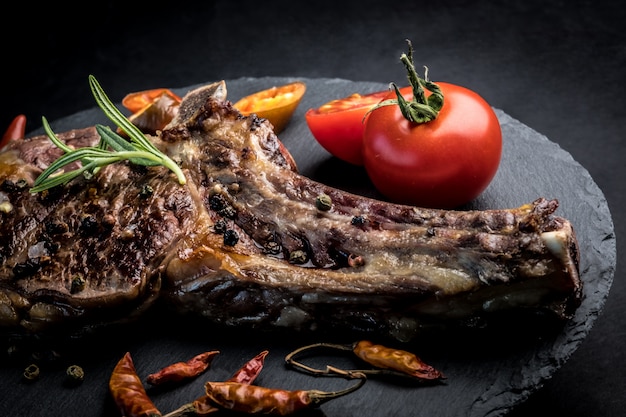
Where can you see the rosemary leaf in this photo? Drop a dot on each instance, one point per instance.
(68, 158)
(120, 144)
(61, 179)
(118, 118)
(111, 139)
(111, 148)
(53, 137)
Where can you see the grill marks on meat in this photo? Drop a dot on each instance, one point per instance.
(243, 243)
(89, 251)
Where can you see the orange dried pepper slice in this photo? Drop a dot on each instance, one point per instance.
(276, 104)
(140, 99)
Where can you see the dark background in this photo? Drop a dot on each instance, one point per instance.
(557, 66)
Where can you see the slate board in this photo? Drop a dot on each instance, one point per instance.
(484, 377)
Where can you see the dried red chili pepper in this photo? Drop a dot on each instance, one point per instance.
(384, 359)
(398, 360)
(16, 130)
(245, 375)
(179, 371)
(255, 399)
(248, 372)
(128, 392)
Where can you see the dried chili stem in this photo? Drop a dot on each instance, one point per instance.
(289, 359)
(185, 410)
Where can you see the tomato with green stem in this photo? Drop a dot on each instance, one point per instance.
(438, 146)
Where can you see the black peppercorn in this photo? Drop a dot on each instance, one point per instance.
(230, 237)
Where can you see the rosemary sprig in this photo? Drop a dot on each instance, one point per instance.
(111, 148)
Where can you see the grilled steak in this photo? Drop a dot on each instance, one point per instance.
(249, 241)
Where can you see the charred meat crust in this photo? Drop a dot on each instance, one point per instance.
(89, 251)
(299, 266)
(246, 242)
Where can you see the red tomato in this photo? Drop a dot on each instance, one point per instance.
(338, 125)
(443, 163)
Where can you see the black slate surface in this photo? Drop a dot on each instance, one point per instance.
(485, 377)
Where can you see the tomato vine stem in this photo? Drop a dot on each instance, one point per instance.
(420, 109)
